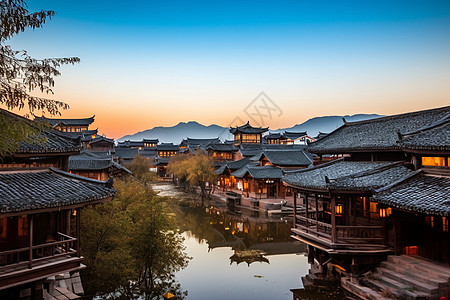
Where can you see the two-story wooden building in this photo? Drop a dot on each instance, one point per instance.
(247, 134)
(388, 196)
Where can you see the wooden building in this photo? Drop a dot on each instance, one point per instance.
(101, 143)
(40, 209)
(96, 165)
(386, 197)
(167, 150)
(68, 125)
(145, 143)
(221, 151)
(247, 134)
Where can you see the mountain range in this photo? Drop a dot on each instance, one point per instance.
(175, 134)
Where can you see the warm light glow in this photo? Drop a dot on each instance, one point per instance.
(339, 209)
(74, 212)
(433, 161)
(93, 136)
(382, 212)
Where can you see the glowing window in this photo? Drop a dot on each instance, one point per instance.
(445, 224)
(430, 221)
(433, 161)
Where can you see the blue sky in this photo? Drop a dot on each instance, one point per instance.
(150, 63)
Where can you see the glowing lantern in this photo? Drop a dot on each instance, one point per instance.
(382, 212)
(339, 209)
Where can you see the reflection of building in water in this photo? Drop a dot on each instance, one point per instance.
(252, 238)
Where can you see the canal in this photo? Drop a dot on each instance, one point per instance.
(237, 253)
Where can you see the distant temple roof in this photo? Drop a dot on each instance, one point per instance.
(68, 122)
(90, 161)
(198, 142)
(126, 153)
(418, 192)
(100, 138)
(377, 134)
(48, 189)
(167, 147)
(294, 135)
(247, 128)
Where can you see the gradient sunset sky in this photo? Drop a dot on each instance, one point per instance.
(156, 63)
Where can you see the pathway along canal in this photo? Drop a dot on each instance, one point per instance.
(237, 253)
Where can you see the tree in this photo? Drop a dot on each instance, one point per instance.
(132, 245)
(140, 167)
(20, 73)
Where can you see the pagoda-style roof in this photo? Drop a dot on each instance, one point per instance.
(249, 150)
(86, 135)
(151, 141)
(161, 161)
(167, 147)
(294, 135)
(257, 172)
(432, 138)
(321, 135)
(233, 165)
(318, 178)
(88, 161)
(222, 147)
(418, 192)
(285, 158)
(100, 138)
(48, 189)
(248, 129)
(275, 136)
(68, 122)
(376, 134)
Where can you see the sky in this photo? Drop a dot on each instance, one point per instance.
(158, 63)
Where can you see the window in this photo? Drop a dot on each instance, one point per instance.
(444, 224)
(23, 226)
(430, 221)
(435, 161)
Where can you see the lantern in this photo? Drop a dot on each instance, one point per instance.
(339, 209)
(382, 212)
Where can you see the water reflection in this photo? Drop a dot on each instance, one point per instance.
(239, 254)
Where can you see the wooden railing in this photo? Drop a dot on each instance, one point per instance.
(343, 234)
(64, 245)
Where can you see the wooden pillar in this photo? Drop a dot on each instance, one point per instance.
(317, 213)
(295, 206)
(307, 211)
(30, 236)
(277, 190)
(67, 231)
(78, 219)
(333, 219)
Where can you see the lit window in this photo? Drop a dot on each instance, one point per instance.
(445, 224)
(433, 161)
(430, 221)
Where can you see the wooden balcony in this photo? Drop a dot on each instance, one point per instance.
(340, 239)
(19, 266)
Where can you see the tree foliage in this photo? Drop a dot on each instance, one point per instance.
(20, 73)
(131, 245)
(197, 170)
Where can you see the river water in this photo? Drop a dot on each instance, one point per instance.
(237, 253)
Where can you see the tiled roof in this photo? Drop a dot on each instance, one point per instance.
(167, 147)
(102, 138)
(86, 135)
(151, 141)
(372, 179)
(48, 188)
(126, 153)
(68, 122)
(50, 141)
(275, 136)
(91, 161)
(434, 138)
(315, 178)
(286, 158)
(418, 193)
(161, 161)
(247, 128)
(321, 135)
(148, 152)
(294, 135)
(199, 142)
(376, 134)
(258, 172)
(222, 147)
(233, 165)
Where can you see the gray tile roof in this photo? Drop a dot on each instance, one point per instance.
(257, 172)
(167, 147)
(222, 147)
(372, 179)
(47, 188)
(285, 158)
(376, 134)
(433, 138)
(275, 136)
(247, 128)
(69, 122)
(126, 153)
(418, 193)
(90, 161)
(102, 138)
(50, 141)
(199, 142)
(294, 135)
(314, 178)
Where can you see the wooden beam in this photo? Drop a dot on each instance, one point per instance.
(306, 211)
(295, 206)
(78, 220)
(317, 211)
(30, 235)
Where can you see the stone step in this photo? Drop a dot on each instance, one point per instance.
(423, 266)
(361, 291)
(380, 287)
(408, 281)
(404, 291)
(439, 266)
(430, 278)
